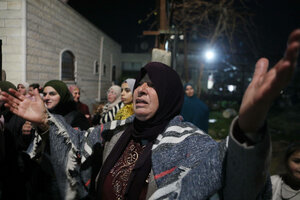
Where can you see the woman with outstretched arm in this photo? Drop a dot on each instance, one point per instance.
(157, 156)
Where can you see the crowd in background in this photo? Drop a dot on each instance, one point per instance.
(118, 104)
(19, 134)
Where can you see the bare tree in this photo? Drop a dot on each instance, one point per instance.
(210, 19)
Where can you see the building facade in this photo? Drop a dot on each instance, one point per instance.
(46, 39)
(131, 63)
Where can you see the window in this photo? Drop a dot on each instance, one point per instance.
(113, 74)
(67, 66)
(104, 70)
(96, 67)
(132, 66)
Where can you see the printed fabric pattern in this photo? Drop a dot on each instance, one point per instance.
(125, 112)
(187, 163)
(109, 115)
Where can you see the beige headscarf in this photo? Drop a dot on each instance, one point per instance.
(117, 91)
(25, 84)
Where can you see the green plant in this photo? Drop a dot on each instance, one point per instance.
(219, 129)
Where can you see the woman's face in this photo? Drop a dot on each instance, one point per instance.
(294, 165)
(111, 96)
(50, 97)
(76, 94)
(145, 101)
(21, 88)
(30, 91)
(126, 94)
(189, 91)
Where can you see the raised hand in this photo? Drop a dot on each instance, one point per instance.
(267, 85)
(34, 111)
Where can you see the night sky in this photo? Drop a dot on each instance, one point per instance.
(117, 18)
(274, 20)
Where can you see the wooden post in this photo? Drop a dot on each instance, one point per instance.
(185, 61)
(163, 25)
(200, 79)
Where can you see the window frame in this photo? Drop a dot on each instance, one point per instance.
(95, 67)
(74, 75)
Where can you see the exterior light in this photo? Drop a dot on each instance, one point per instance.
(167, 45)
(209, 55)
(210, 82)
(212, 121)
(231, 88)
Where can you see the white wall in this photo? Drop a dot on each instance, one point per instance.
(12, 34)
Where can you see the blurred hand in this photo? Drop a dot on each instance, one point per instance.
(267, 85)
(33, 111)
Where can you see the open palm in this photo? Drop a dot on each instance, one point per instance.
(267, 85)
(34, 111)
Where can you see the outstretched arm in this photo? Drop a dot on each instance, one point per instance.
(247, 164)
(34, 111)
(266, 86)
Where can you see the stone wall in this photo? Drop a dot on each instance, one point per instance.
(12, 34)
(35, 33)
(53, 27)
(141, 59)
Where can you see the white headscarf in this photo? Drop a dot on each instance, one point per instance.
(130, 82)
(117, 91)
(25, 84)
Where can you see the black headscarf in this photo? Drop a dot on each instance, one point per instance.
(169, 89)
(66, 103)
(4, 86)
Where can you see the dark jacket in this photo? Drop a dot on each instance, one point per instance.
(77, 120)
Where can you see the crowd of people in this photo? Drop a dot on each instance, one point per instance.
(19, 134)
(147, 141)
